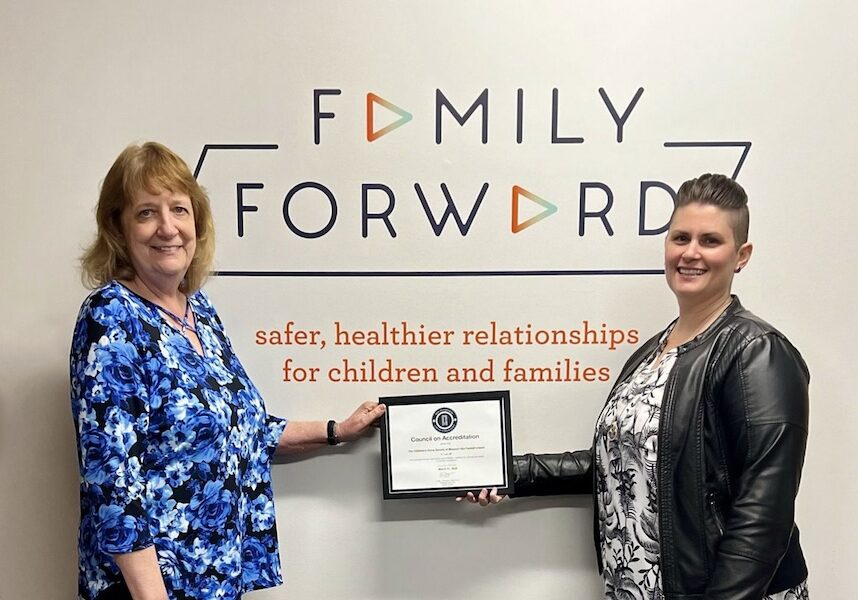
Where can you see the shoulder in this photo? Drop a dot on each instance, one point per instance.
(747, 335)
(111, 310)
(202, 303)
(746, 325)
(111, 302)
(765, 371)
(753, 348)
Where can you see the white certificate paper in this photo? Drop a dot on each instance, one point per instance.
(446, 444)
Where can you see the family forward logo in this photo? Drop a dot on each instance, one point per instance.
(383, 210)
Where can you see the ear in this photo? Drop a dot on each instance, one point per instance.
(745, 251)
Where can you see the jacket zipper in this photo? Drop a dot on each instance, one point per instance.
(716, 513)
(662, 468)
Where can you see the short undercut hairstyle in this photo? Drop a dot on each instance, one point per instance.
(721, 191)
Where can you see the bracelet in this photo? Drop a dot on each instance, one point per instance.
(333, 440)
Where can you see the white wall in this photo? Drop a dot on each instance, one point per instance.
(82, 81)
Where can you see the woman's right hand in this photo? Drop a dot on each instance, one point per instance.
(142, 574)
(484, 498)
(356, 425)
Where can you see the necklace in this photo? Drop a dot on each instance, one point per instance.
(182, 321)
(710, 318)
(697, 331)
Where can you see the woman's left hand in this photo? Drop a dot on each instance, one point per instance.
(365, 416)
(484, 498)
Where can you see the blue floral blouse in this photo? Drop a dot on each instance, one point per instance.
(174, 451)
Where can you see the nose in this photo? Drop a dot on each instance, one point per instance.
(691, 251)
(167, 225)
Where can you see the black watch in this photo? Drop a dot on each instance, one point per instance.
(333, 440)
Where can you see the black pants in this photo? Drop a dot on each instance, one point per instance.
(117, 591)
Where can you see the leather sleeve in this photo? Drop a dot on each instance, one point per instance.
(766, 388)
(552, 474)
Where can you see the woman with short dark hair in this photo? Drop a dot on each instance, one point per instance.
(698, 451)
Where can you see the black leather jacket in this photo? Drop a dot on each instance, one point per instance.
(731, 441)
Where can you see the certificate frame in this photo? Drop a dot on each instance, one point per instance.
(393, 463)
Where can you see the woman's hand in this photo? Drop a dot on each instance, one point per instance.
(142, 574)
(304, 436)
(484, 498)
(365, 416)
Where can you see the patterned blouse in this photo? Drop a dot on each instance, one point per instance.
(174, 451)
(626, 454)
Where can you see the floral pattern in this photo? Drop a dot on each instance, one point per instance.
(174, 451)
(626, 456)
(626, 453)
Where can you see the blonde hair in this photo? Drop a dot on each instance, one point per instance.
(151, 167)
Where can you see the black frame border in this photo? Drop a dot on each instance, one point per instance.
(448, 398)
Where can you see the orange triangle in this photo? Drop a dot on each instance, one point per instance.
(517, 192)
(371, 133)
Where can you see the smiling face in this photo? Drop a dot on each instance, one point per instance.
(701, 254)
(160, 237)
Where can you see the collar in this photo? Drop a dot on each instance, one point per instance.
(734, 307)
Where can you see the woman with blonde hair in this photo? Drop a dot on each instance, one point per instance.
(174, 441)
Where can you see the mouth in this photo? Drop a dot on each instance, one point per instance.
(690, 272)
(166, 249)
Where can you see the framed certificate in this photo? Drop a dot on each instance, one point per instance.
(446, 444)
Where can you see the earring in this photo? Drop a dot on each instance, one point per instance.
(738, 269)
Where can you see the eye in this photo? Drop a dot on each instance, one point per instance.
(145, 213)
(712, 241)
(679, 238)
(182, 210)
